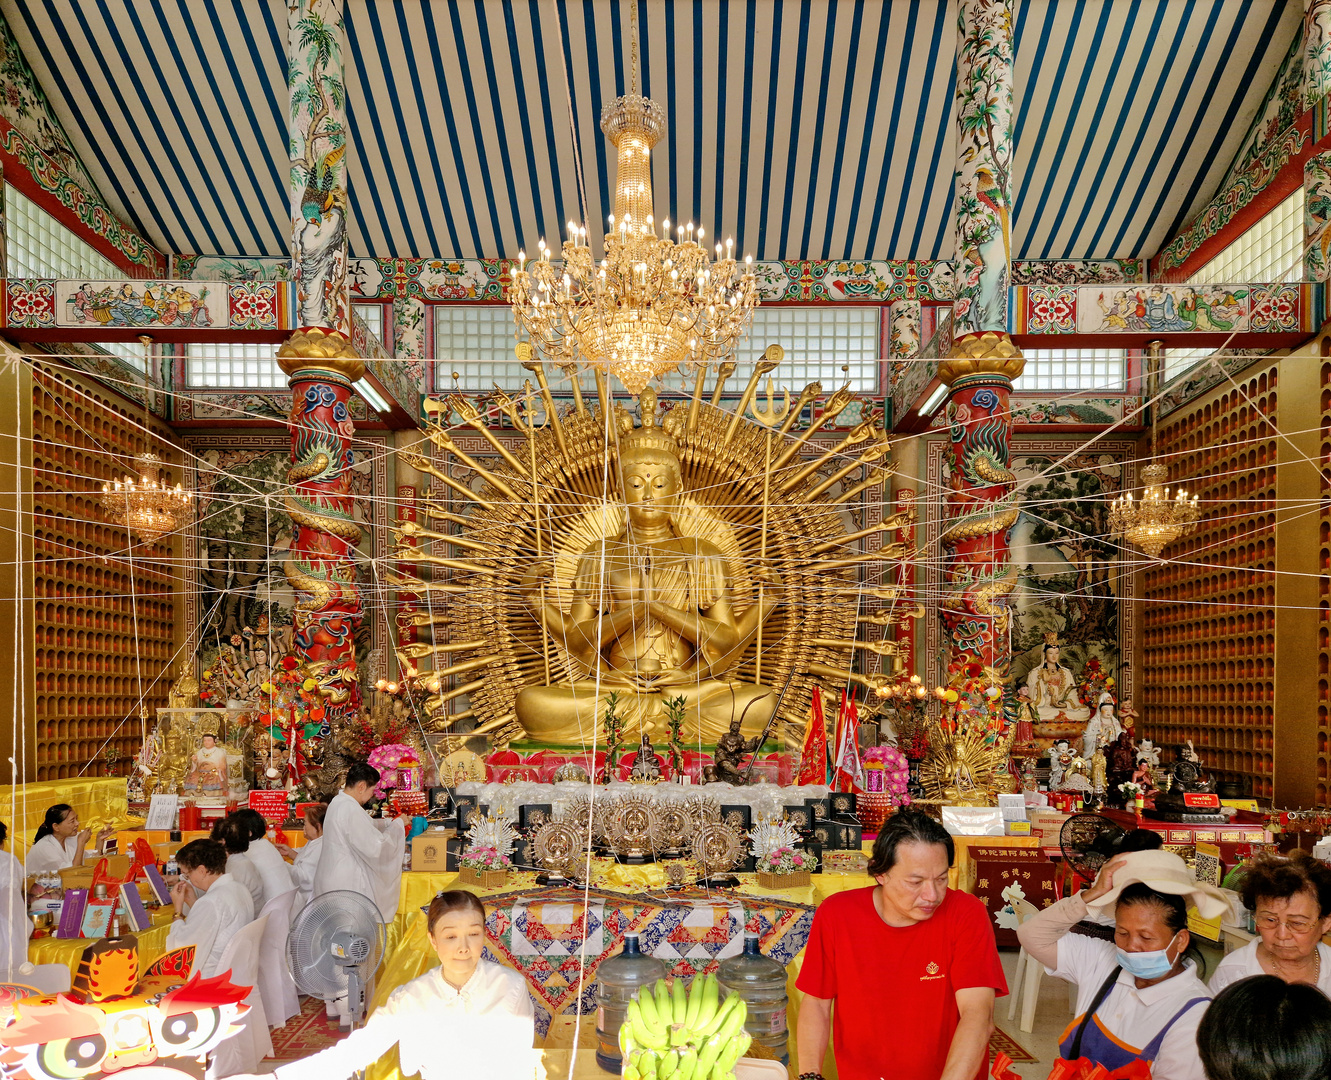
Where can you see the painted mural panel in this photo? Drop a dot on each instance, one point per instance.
(242, 536)
(1162, 309)
(1069, 579)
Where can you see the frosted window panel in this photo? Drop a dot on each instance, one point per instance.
(245, 367)
(39, 246)
(819, 342)
(1271, 250)
(477, 343)
(372, 315)
(1072, 370)
(1177, 361)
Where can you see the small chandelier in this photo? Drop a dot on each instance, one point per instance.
(148, 507)
(653, 303)
(1156, 520)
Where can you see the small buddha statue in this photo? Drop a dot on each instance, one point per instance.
(652, 614)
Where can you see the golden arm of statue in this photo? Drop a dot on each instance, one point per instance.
(583, 630)
(745, 629)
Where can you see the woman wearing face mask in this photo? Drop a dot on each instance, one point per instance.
(467, 1017)
(1290, 899)
(1138, 1000)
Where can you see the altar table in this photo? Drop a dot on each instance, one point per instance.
(68, 951)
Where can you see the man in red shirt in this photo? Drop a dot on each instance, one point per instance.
(911, 965)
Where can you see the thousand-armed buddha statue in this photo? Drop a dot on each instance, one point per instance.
(652, 614)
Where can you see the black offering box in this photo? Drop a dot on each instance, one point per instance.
(849, 835)
(468, 805)
(798, 815)
(533, 816)
(452, 853)
(825, 834)
(843, 806)
(815, 851)
(440, 804)
(819, 809)
(737, 815)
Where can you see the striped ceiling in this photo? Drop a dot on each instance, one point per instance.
(805, 128)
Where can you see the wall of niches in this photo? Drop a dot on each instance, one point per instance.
(91, 664)
(1209, 629)
(1324, 597)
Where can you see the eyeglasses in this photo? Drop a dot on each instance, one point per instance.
(1294, 926)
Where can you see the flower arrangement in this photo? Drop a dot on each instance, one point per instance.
(485, 858)
(785, 860)
(1093, 682)
(386, 758)
(362, 735)
(894, 768)
(1131, 790)
(785, 868)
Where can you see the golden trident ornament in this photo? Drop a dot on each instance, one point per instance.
(769, 418)
(526, 423)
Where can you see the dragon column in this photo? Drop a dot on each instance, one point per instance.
(982, 500)
(319, 361)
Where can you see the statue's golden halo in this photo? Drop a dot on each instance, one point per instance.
(498, 528)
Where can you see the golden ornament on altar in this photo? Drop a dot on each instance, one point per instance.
(965, 765)
(717, 847)
(558, 847)
(631, 560)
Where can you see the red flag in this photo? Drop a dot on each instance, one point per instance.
(813, 756)
(847, 773)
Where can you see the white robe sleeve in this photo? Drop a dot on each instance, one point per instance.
(357, 856)
(199, 928)
(17, 926)
(49, 854)
(274, 870)
(361, 1048)
(303, 871)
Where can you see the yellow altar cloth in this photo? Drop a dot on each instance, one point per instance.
(67, 951)
(99, 802)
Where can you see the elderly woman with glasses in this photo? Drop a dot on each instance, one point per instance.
(1290, 899)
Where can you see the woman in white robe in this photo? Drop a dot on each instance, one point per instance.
(274, 871)
(356, 855)
(234, 834)
(223, 905)
(306, 860)
(468, 1017)
(60, 843)
(17, 927)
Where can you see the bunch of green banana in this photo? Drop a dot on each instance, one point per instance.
(672, 1035)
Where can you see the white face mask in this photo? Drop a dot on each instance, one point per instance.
(1148, 965)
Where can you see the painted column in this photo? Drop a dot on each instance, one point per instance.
(983, 174)
(981, 501)
(320, 364)
(903, 321)
(1316, 216)
(1316, 51)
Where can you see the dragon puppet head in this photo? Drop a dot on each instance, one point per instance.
(61, 1038)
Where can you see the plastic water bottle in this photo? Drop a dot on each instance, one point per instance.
(617, 980)
(760, 982)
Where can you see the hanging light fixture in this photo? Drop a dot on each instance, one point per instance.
(653, 302)
(1156, 520)
(148, 506)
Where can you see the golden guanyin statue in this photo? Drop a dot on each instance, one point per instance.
(711, 554)
(652, 612)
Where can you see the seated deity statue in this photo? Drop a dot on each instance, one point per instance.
(1053, 693)
(652, 615)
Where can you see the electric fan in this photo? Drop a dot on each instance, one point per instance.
(1088, 842)
(334, 948)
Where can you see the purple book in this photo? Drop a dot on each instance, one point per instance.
(131, 906)
(159, 886)
(71, 914)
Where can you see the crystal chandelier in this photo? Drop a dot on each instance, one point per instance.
(148, 507)
(1156, 520)
(654, 302)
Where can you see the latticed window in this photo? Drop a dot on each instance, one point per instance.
(39, 246)
(1272, 250)
(831, 343)
(248, 367)
(1073, 370)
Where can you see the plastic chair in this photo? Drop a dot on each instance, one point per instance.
(48, 978)
(276, 986)
(1026, 977)
(242, 1052)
